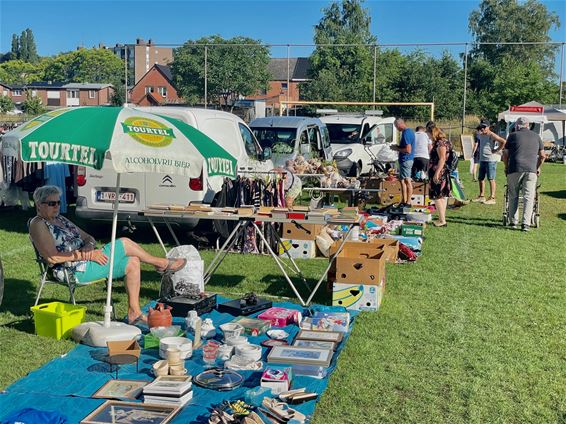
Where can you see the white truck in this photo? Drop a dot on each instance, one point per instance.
(358, 139)
(96, 188)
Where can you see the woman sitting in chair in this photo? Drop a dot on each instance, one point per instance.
(58, 240)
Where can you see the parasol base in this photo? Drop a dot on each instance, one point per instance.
(96, 334)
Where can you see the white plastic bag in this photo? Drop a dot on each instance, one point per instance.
(191, 273)
(387, 155)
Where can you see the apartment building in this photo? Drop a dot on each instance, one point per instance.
(142, 56)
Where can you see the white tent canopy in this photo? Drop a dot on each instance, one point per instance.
(548, 114)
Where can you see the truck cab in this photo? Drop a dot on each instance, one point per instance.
(95, 188)
(290, 136)
(357, 139)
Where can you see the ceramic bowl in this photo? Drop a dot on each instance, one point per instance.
(160, 368)
(231, 329)
(248, 352)
(184, 345)
(277, 334)
(236, 340)
(162, 332)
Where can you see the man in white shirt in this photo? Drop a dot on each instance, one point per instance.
(423, 144)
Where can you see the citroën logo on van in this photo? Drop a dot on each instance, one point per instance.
(148, 131)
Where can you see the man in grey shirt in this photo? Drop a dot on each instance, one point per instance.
(523, 157)
(488, 153)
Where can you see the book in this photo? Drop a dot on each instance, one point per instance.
(265, 210)
(169, 385)
(229, 210)
(299, 208)
(246, 211)
(167, 400)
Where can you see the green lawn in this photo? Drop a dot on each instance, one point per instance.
(475, 331)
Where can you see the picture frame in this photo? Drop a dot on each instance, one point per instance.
(315, 344)
(120, 389)
(300, 355)
(117, 412)
(467, 146)
(321, 336)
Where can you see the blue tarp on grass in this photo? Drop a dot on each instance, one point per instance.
(67, 383)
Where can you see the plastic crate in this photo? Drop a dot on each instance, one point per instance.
(57, 319)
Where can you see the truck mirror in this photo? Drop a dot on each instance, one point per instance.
(266, 153)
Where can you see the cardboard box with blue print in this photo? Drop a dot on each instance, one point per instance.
(361, 265)
(358, 297)
(298, 249)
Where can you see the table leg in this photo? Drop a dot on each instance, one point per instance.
(221, 254)
(323, 276)
(279, 264)
(157, 234)
(297, 269)
(171, 231)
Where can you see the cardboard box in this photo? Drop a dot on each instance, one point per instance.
(358, 297)
(123, 347)
(298, 249)
(277, 379)
(389, 246)
(420, 188)
(361, 265)
(412, 230)
(301, 231)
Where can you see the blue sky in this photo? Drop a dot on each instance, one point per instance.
(63, 25)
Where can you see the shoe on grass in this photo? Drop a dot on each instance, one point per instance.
(490, 201)
(479, 199)
(525, 228)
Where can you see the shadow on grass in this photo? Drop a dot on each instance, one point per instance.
(562, 216)
(14, 219)
(560, 194)
(279, 287)
(480, 222)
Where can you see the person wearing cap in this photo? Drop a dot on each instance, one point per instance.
(522, 157)
(406, 149)
(488, 161)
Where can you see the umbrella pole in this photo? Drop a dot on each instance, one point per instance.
(108, 307)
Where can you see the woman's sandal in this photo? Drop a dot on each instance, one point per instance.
(140, 319)
(436, 224)
(170, 268)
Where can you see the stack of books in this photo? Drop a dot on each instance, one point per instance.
(246, 210)
(169, 390)
(298, 212)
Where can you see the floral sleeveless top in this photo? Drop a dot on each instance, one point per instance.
(67, 238)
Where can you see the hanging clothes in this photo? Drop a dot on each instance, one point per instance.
(55, 174)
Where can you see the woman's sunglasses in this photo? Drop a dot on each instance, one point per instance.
(52, 203)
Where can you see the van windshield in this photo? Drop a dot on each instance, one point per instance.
(279, 140)
(344, 133)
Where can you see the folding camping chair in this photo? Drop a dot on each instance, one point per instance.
(70, 280)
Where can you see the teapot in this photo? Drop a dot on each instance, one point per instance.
(160, 316)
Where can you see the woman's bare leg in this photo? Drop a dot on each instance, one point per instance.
(133, 282)
(135, 250)
(441, 207)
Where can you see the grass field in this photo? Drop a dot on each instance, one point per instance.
(474, 332)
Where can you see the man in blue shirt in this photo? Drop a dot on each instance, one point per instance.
(406, 149)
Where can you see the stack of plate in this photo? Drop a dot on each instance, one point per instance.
(182, 343)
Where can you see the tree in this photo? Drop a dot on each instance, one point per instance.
(233, 69)
(23, 51)
(84, 65)
(32, 56)
(6, 104)
(496, 70)
(32, 105)
(19, 72)
(342, 73)
(15, 47)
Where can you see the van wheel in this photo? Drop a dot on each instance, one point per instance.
(355, 170)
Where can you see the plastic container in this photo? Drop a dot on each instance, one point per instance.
(57, 319)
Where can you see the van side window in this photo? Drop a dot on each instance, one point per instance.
(304, 137)
(387, 131)
(249, 141)
(325, 138)
(313, 139)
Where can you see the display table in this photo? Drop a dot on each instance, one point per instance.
(351, 191)
(241, 223)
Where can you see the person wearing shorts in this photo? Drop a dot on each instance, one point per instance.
(489, 156)
(423, 145)
(406, 149)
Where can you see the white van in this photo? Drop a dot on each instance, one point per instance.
(355, 138)
(290, 136)
(95, 187)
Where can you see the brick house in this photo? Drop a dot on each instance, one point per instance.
(279, 87)
(57, 94)
(155, 88)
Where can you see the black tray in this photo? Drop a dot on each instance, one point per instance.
(233, 307)
(181, 305)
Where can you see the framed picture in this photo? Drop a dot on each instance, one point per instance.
(120, 389)
(321, 336)
(467, 146)
(300, 355)
(315, 344)
(117, 412)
